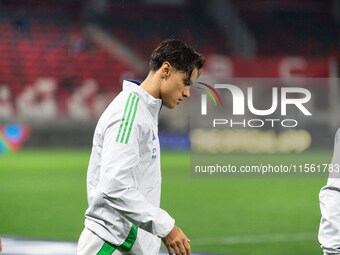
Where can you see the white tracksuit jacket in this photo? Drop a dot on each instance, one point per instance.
(329, 231)
(124, 178)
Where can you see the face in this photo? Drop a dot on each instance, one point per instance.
(176, 87)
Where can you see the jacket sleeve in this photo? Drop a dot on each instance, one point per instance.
(329, 231)
(118, 185)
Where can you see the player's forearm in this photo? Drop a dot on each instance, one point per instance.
(133, 205)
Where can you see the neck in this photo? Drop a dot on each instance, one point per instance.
(151, 85)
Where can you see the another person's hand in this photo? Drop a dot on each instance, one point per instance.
(177, 243)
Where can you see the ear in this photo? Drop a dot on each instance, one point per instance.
(166, 69)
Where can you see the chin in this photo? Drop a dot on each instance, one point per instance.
(170, 106)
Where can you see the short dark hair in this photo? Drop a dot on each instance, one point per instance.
(181, 56)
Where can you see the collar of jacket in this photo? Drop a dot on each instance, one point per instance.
(153, 104)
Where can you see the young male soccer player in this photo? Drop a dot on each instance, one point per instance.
(124, 179)
(329, 231)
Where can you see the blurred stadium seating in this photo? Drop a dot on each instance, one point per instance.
(52, 66)
(48, 42)
(305, 28)
(189, 23)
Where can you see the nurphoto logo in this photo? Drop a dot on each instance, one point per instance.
(245, 101)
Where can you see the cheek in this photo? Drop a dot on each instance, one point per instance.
(179, 90)
(167, 93)
(173, 91)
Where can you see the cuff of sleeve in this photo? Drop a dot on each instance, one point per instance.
(168, 226)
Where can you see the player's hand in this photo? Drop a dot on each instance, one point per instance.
(177, 243)
(0, 245)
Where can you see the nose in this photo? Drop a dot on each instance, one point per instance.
(186, 92)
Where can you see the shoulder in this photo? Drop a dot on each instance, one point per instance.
(119, 104)
(125, 107)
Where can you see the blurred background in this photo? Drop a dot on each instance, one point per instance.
(62, 62)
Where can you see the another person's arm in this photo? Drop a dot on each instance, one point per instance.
(330, 206)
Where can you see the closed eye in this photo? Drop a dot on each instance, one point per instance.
(187, 82)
